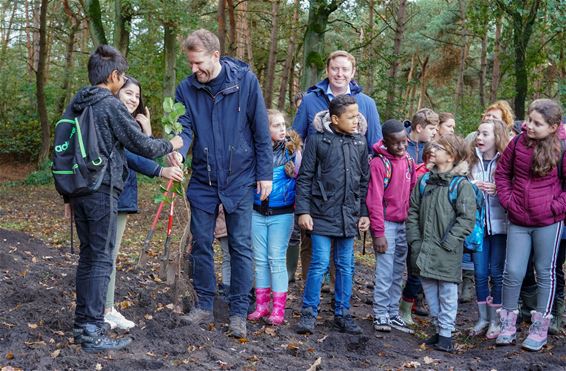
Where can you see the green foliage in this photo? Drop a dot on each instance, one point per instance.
(41, 176)
(172, 112)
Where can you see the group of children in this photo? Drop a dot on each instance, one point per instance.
(418, 221)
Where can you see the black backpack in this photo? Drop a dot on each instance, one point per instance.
(78, 167)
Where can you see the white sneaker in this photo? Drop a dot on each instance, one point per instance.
(118, 319)
(111, 323)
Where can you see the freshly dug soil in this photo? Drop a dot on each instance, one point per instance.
(37, 306)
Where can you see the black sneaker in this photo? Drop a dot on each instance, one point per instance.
(444, 344)
(306, 322)
(94, 340)
(382, 324)
(78, 332)
(398, 324)
(347, 324)
(432, 340)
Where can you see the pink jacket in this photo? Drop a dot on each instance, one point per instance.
(529, 201)
(391, 204)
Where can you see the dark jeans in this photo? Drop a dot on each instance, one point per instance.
(488, 266)
(413, 285)
(95, 218)
(238, 225)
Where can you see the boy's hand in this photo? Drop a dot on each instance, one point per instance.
(379, 245)
(305, 222)
(177, 142)
(175, 159)
(264, 188)
(68, 211)
(172, 172)
(363, 224)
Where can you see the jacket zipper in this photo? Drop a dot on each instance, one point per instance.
(209, 170)
(231, 150)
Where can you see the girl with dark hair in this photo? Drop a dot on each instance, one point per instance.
(529, 186)
(130, 95)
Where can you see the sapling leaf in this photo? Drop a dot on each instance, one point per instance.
(168, 104)
(168, 129)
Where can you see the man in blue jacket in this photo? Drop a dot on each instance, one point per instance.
(226, 123)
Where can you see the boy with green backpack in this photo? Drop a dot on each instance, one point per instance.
(89, 169)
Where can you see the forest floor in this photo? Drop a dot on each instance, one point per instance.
(37, 274)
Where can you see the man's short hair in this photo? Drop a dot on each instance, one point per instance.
(103, 62)
(201, 40)
(424, 117)
(341, 53)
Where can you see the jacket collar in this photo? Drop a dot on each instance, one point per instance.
(321, 88)
(235, 71)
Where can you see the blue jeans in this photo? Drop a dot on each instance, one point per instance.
(344, 261)
(270, 236)
(389, 270)
(95, 218)
(489, 264)
(238, 224)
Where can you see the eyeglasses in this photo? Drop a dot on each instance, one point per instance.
(437, 147)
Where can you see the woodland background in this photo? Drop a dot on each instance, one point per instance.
(450, 55)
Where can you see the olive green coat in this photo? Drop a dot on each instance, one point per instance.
(436, 229)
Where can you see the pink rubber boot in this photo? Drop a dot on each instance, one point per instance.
(262, 298)
(277, 316)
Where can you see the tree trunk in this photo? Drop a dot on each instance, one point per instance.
(496, 64)
(169, 43)
(123, 20)
(289, 67)
(392, 84)
(221, 18)
(463, 57)
(8, 32)
(409, 88)
(243, 38)
(270, 74)
(483, 65)
(369, 50)
(94, 14)
(69, 65)
(313, 47)
(40, 83)
(423, 88)
(232, 33)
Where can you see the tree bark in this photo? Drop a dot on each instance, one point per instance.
(40, 83)
(232, 32)
(463, 56)
(169, 43)
(69, 65)
(313, 47)
(221, 18)
(94, 14)
(7, 34)
(270, 74)
(409, 88)
(496, 64)
(392, 85)
(423, 88)
(289, 67)
(123, 20)
(243, 43)
(483, 66)
(369, 50)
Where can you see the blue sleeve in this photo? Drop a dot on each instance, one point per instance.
(142, 165)
(185, 120)
(373, 135)
(259, 123)
(301, 120)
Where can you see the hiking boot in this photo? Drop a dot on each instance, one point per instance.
(494, 329)
(382, 324)
(507, 320)
(277, 316)
(483, 321)
(346, 323)
(419, 307)
(263, 297)
(444, 344)
(116, 318)
(198, 316)
(538, 332)
(306, 322)
(405, 311)
(398, 324)
(78, 332)
(237, 327)
(94, 340)
(468, 293)
(432, 340)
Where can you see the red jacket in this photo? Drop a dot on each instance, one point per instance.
(530, 201)
(392, 203)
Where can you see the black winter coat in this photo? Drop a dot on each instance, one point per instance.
(333, 182)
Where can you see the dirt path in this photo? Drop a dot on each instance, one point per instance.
(36, 306)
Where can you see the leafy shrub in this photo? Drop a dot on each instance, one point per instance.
(41, 176)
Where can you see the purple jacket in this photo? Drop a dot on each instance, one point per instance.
(529, 201)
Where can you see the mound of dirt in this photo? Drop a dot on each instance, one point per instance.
(36, 314)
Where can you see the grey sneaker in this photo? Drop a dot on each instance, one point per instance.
(382, 324)
(198, 316)
(237, 327)
(306, 322)
(398, 324)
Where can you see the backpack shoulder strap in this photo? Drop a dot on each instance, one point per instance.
(453, 189)
(422, 182)
(388, 170)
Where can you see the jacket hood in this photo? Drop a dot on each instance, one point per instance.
(89, 96)
(461, 169)
(321, 122)
(321, 87)
(293, 142)
(380, 149)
